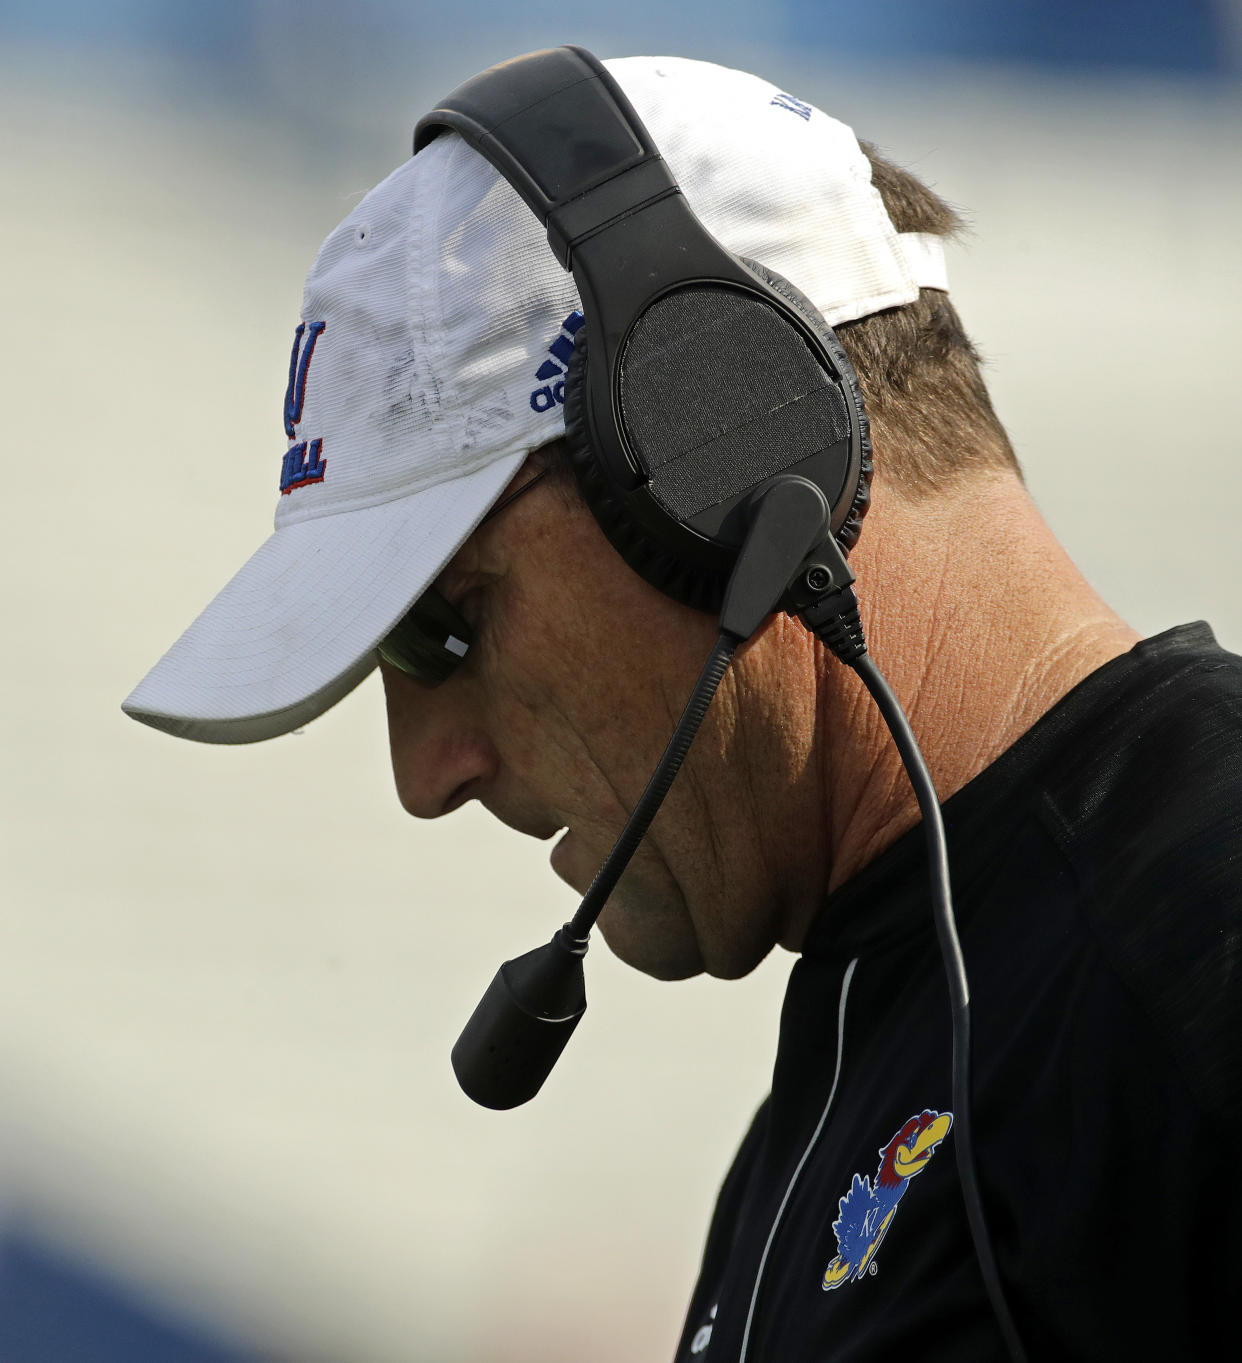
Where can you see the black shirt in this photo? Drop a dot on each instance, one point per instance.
(1097, 876)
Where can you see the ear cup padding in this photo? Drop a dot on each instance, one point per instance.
(717, 392)
(686, 582)
(850, 528)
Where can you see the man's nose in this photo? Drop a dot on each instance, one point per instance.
(440, 757)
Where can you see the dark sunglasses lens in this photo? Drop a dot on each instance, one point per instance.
(429, 641)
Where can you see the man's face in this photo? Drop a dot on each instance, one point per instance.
(577, 675)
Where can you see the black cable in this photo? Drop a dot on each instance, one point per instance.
(929, 806)
(959, 990)
(657, 787)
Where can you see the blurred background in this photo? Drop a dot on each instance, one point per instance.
(230, 979)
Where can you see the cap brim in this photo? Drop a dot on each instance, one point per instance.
(296, 629)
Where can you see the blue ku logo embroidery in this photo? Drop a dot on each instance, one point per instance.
(304, 462)
(867, 1210)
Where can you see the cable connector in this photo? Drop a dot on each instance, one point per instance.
(824, 600)
(835, 622)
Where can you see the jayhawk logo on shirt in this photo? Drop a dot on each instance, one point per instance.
(867, 1210)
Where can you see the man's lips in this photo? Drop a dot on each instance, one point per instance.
(542, 827)
(538, 826)
(560, 860)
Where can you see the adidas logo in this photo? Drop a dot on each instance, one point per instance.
(795, 106)
(551, 373)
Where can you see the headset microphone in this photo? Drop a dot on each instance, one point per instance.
(534, 1002)
(521, 1025)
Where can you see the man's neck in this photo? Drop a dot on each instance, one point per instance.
(981, 623)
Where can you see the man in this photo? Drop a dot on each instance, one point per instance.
(1091, 779)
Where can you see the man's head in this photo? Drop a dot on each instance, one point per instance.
(429, 365)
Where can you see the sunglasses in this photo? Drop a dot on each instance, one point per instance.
(432, 638)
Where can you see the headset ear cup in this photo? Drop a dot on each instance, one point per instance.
(691, 585)
(851, 527)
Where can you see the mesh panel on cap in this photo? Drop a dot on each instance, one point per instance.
(718, 393)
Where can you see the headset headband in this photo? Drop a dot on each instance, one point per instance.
(559, 128)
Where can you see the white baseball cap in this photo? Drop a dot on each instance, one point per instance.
(436, 329)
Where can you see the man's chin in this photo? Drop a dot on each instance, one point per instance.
(644, 922)
(661, 949)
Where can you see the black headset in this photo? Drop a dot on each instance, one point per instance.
(698, 377)
(718, 435)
